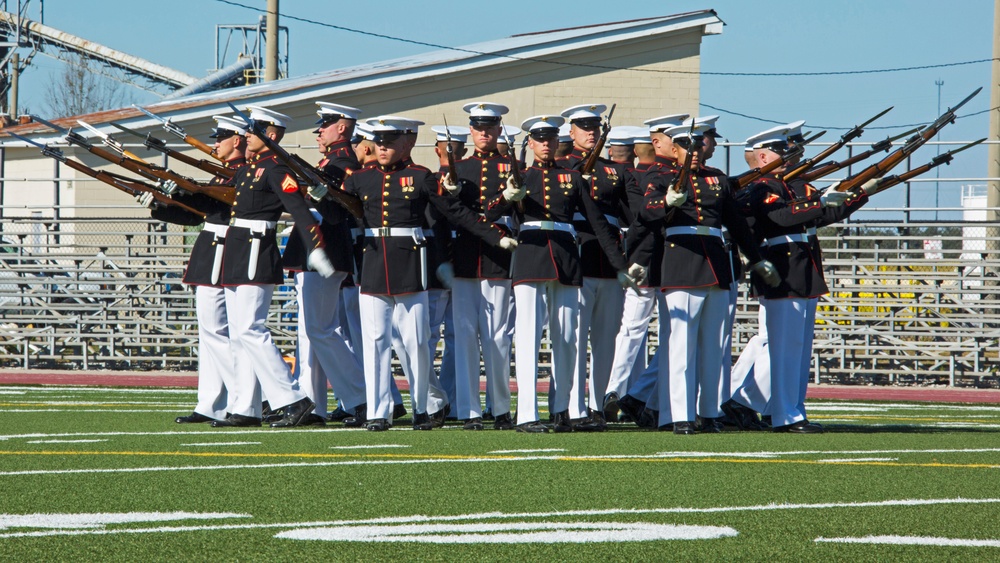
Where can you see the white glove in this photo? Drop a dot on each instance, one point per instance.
(675, 198)
(587, 177)
(147, 200)
(318, 191)
(833, 198)
(626, 280)
(637, 272)
(448, 183)
(445, 274)
(508, 243)
(510, 193)
(869, 185)
(767, 272)
(319, 261)
(169, 187)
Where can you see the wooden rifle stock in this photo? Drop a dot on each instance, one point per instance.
(591, 162)
(887, 182)
(152, 143)
(831, 167)
(844, 139)
(314, 176)
(170, 127)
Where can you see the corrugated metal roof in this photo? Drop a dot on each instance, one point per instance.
(536, 47)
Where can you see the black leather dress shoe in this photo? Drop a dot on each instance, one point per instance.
(592, 423)
(684, 428)
(765, 421)
(503, 422)
(488, 416)
(473, 424)
(708, 425)
(800, 427)
(438, 417)
(338, 415)
(313, 419)
(235, 420)
(398, 411)
(632, 407)
(535, 427)
(561, 422)
(192, 418)
(294, 413)
(378, 425)
(648, 419)
(360, 417)
(422, 422)
(742, 416)
(610, 406)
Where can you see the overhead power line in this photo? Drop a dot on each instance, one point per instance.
(602, 67)
(831, 128)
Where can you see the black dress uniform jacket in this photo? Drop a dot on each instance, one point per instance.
(556, 194)
(264, 188)
(644, 241)
(397, 196)
(781, 208)
(483, 177)
(199, 267)
(607, 188)
(694, 260)
(336, 227)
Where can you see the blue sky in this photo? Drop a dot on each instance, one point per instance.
(760, 37)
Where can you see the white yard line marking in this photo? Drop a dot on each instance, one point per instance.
(101, 519)
(370, 446)
(530, 532)
(103, 390)
(913, 540)
(183, 433)
(845, 408)
(520, 515)
(165, 410)
(64, 441)
(526, 451)
(209, 444)
(850, 459)
(832, 452)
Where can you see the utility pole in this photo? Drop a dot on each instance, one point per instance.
(937, 171)
(993, 149)
(271, 42)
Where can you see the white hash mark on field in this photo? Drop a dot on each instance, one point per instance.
(850, 459)
(478, 517)
(64, 441)
(99, 520)
(913, 540)
(531, 532)
(210, 444)
(526, 451)
(369, 446)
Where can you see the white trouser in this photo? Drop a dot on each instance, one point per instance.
(725, 381)
(438, 312)
(329, 354)
(791, 321)
(751, 377)
(215, 357)
(260, 367)
(350, 322)
(536, 302)
(601, 302)
(646, 387)
(697, 321)
(399, 322)
(637, 311)
(480, 309)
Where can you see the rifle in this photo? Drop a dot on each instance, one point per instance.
(138, 166)
(304, 170)
(450, 152)
(887, 182)
(131, 187)
(831, 167)
(515, 165)
(744, 180)
(152, 143)
(591, 162)
(844, 139)
(883, 166)
(680, 182)
(177, 130)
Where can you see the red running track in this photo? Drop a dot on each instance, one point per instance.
(190, 379)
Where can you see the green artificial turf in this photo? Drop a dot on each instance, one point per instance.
(82, 451)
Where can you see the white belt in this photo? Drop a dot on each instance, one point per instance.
(252, 224)
(218, 230)
(383, 232)
(702, 230)
(789, 239)
(355, 233)
(316, 216)
(611, 219)
(548, 226)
